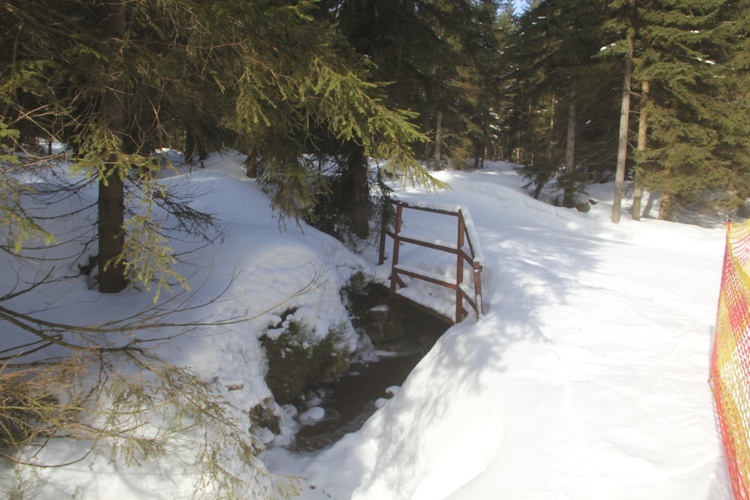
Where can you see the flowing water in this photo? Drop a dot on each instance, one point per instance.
(351, 399)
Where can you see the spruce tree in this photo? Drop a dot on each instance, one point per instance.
(116, 81)
(440, 59)
(691, 55)
(479, 79)
(624, 128)
(118, 91)
(561, 87)
(418, 48)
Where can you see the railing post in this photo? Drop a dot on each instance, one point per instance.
(459, 266)
(396, 245)
(478, 289)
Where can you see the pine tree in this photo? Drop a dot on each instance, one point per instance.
(415, 46)
(624, 128)
(559, 103)
(688, 55)
(734, 32)
(116, 81)
(440, 59)
(479, 82)
(122, 90)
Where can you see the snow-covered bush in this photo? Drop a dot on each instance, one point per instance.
(298, 356)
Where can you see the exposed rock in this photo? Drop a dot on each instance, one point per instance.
(389, 323)
(264, 416)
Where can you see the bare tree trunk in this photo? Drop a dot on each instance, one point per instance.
(642, 145)
(355, 192)
(438, 138)
(552, 102)
(570, 155)
(111, 202)
(481, 150)
(622, 146)
(427, 148)
(665, 205)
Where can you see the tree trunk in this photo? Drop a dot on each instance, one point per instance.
(570, 155)
(438, 139)
(665, 205)
(622, 146)
(111, 202)
(481, 147)
(427, 148)
(355, 193)
(642, 145)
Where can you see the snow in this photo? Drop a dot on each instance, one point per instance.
(586, 378)
(312, 415)
(392, 390)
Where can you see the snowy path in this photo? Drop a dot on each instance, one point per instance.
(627, 366)
(585, 380)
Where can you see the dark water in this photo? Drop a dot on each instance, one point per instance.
(350, 400)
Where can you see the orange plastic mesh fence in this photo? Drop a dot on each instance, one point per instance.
(730, 359)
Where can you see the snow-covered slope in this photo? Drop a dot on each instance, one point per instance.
(239, 285)
(586, 379)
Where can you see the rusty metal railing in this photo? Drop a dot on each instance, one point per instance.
(466, 250)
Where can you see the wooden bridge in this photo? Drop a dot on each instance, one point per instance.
(465, 290)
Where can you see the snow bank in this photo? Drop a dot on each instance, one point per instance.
(586, 379)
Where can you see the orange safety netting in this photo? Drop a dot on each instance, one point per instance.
(730, 359)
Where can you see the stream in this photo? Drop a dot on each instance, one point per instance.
(401, 335)
(351, 399)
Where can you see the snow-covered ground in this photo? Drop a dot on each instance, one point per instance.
(585, 379)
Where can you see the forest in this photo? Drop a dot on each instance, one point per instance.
(575, 91)
(653, 94)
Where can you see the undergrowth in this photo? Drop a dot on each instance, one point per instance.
(132, 411)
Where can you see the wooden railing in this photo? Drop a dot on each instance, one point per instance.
(466, 250)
